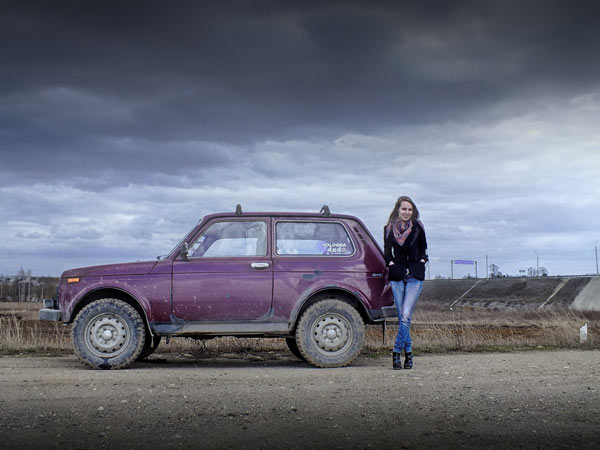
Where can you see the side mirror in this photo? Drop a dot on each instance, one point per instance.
(185, 251)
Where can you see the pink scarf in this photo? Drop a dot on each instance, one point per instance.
(401, 234)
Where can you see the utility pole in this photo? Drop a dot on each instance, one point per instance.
(596, 250)
(486, 266)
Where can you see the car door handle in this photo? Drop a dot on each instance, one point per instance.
(259, 265)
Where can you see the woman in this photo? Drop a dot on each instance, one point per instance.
(405, 253)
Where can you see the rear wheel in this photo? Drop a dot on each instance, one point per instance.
(330, 333)
(108, 334)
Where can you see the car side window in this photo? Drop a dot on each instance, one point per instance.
(313, 238)
(231, 238)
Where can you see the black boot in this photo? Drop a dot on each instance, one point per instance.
(408, 360)
(397, 361)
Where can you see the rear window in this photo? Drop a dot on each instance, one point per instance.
(313, 238)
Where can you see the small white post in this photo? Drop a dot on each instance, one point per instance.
(583, 334)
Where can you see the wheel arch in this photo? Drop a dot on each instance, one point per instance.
(111, 292)
(337, 293)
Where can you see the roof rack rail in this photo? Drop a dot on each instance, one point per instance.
(238, 210)
(325, 211)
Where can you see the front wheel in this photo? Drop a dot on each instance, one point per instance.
(293, 346)
(150, 346)
(108, 334)
(330, 333)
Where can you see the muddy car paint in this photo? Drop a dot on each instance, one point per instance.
(242, 295)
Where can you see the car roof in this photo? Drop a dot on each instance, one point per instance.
(287, 214)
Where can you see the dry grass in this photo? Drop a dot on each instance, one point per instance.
(22, 332)
(224, 346)
(435, 329)
(438, 329)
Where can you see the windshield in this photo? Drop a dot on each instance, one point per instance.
(174, 249)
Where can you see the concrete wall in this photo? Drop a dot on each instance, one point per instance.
(589, 297)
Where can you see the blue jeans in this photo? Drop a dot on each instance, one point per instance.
(405, 294)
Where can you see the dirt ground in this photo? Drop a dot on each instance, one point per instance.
(535, 399)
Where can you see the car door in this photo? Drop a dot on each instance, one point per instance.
(309, 255)
(228, 275)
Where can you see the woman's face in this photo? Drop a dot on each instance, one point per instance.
(405, 212)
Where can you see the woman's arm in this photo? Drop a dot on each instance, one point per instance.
(423, 245)
(387, 247)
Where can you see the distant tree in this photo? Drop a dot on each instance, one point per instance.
(495, 271)
(22, 273)
(543, 272)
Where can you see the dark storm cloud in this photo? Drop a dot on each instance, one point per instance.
(122, 123)
(88, 82)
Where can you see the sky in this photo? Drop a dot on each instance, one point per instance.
(123, 123)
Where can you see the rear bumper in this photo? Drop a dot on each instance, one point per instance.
(389, 311)
(385, 312)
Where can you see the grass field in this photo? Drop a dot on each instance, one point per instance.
(435, 329)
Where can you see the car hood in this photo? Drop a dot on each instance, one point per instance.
(136, 268)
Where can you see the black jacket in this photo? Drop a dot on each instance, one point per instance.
(408, 256)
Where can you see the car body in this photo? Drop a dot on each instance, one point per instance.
(306, 277)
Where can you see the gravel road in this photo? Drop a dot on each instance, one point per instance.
(536, 399)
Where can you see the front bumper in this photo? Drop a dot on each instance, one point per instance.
(50, 312)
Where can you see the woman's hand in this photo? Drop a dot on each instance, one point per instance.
(391, 263)
(422, 260)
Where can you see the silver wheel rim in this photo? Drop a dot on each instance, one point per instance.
(107, 335)
(331, 334)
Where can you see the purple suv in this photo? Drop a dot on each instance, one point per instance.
(313, 279)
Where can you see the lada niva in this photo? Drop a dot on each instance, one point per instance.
(314, 279)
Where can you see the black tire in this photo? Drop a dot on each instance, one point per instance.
(293, 346)
(108, 334)
(330, 333)
(150, 346)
